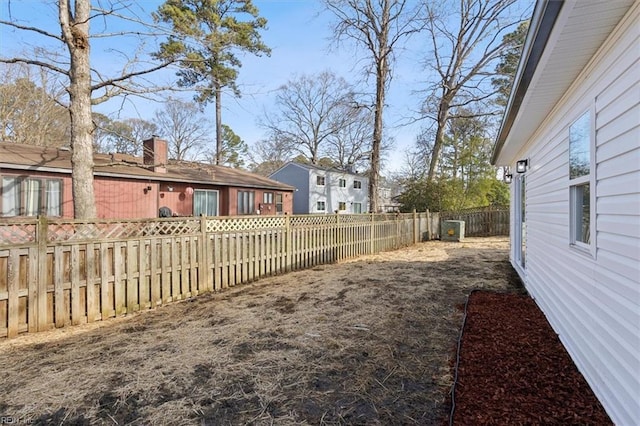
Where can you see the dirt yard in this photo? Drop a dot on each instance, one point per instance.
(367, 341)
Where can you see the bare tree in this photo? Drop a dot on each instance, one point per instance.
(30, 110)
(378, 26)
(268, 155)
(350, 144)
(466, 38)
(311, 111)
(123, 136)
(185, 127)
(85, 86)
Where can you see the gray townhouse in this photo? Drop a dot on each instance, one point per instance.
(324, 190)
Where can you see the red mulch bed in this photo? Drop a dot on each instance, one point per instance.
(514, 370)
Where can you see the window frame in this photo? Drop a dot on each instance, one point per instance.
(342, 206)
(324, 206)
(357, 184)
(279, 202)
(356, 206)
(42, 199)
(342, 183)
(267, 198)
(196, 193)
(320, 180)
(576, 187)
(250, 207)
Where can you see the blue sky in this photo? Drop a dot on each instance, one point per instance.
(299, 35)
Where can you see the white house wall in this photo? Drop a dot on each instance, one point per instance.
(332, 194)
(592, 300)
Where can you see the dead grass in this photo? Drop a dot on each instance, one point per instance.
(367, 341)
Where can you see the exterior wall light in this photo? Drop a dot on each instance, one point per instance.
(170, 188)
(522, 166)
(508, 177)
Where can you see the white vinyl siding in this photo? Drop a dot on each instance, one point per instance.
(592, 301)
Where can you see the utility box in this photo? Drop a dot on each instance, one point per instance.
(452, 230)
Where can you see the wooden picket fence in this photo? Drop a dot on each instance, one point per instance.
(56, 273)
(481, 222)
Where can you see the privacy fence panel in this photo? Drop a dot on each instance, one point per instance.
(484, 222)
(57, 273)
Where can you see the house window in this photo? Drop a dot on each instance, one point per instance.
(205, 202)
(246, 202)
(342, 205)
(357, 207)
(320, 180)
(267, 198)
(357, 184)
(580, 181)
(320, 206)
(342, 183)
(31, 197)
(279, 203)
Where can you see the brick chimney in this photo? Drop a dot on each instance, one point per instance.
(154, 154)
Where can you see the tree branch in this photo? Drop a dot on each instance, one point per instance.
(36, 63)
(33, 29)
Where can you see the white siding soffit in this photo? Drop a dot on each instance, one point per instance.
(544, 17)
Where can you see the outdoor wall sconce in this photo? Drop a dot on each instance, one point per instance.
(508, 177)
(146, 189)
(522, 165)
(170, 188)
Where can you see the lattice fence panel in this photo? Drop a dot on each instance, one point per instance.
(355, 218)
(59, 231)
(242, 224)
(18, 232)
(311, 220)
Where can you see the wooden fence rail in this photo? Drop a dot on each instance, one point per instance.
(56, 273)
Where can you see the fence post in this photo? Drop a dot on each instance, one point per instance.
(339, 240)
(416, 229)
(428, 225)
(288, 243)
(372, 233)
(41, 259)
(203, 258)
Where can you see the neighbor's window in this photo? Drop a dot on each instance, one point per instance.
(246, 202)
(267, 198)
(342, 205)
(320, 180)
(320, 206)
(31, 197)
(357, 207)
(580, 180)
(205, 202)
(279, 202)
(342, 183)
(357, 184)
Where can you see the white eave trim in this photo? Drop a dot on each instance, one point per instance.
(543, 20)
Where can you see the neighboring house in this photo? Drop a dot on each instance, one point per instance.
(324, 190)
(573, 123)
(388, 199)
(37, 181)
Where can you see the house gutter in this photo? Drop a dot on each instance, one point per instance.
(544, 18)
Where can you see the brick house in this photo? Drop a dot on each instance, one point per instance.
(37, 181)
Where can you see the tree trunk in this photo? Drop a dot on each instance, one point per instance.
(75, 31)
(374, 177)
(443, 116)
(218, 90)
